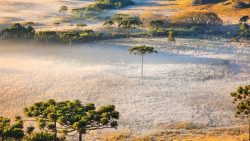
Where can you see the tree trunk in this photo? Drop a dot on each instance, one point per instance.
(248, 119)
(2, 138)
(70, 48)
(80, 137)
(55, 137)
(142, 65)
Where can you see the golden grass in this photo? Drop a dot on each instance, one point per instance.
(224, 9)
(183, 132)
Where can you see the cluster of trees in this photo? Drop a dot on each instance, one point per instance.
(124, 21)
(67, 36)
(92, 11)
(18, 31)
(109, 4)
(66, 118)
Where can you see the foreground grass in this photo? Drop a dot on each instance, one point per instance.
(185, 132)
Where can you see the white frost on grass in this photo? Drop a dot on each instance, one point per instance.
(187, 81)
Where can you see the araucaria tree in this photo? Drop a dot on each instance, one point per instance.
(242, 102)
(108, 24)
(142, 50)
(72, 117)
(11, 130)
(56, 24)
(63, 9)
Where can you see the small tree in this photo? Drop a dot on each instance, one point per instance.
(244, 19)
(118, 18)
(46, 114)
(81, 25)
(63, 9)
(142, 50)
(242, 102)
(56, 24)
(244, 27)
(171, 37)
(108, 24)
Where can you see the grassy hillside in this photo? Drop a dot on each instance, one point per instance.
(225, 10)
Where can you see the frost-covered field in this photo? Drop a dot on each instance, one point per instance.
(189, 80)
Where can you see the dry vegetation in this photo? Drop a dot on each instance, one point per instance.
(183, 131)
(225, 10)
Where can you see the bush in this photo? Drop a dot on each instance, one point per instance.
(244, 31)
(171, 37)
(41, 136)
(196, 18)
(244, 27)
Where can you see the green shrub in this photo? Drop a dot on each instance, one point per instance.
(244, 27)
(171, 37)
(41, 136)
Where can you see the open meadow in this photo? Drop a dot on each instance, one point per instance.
(187, 78)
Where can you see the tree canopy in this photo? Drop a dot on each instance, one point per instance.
(72, 117)
(142, 50)
(242, 101)
(11, 130)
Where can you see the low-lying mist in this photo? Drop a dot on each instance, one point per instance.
(189, 80)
